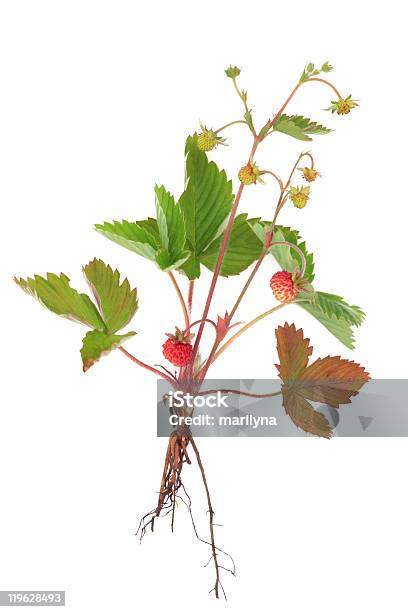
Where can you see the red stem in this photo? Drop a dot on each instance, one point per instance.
(217, 269)
(146, 366)
(228, 233)
(190, 296)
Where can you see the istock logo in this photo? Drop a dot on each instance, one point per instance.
(178, 399)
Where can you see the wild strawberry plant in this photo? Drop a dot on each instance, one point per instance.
(203, 230)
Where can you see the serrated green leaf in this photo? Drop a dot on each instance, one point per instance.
(97, 343)
(244, 247)
(288, 258)
(191, 267)
(117, 302)
(151, 227)
(56, 294)
(206, 201)
(139, 237)
(341, 329)
(170, 223)
(336, 315)
(166, 262)
(334, 305)
(298, 127)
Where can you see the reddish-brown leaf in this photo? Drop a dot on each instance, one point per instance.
(303, 414)
(331, 380)
(293, 351)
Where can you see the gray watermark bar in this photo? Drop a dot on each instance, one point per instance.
(255, 407)
(32, 598)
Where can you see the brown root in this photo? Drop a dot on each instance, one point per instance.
(176, 456)
(171, 488)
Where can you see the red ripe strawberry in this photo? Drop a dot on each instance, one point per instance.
(283, 286)
(177, 349)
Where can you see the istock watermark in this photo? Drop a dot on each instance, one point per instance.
(180, 399)
(248, 407)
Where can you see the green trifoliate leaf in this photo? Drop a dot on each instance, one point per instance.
(299, 127)
(97, 343)
(140, 237)
(55, 293)
(233, 72)
(117, 302)
(244, 247)
(206, 201)
(145, 239)
(335, 314)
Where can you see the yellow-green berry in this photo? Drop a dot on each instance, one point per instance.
(249, 174)
(342, 106)
(299, 196)
(208, 139)
(309, 174)
(232, 72)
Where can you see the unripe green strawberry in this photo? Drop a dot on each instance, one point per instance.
(283, 287)
(249, 174)
(208, 139)
(299, 196)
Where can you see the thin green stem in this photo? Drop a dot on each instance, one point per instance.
(229, 124)
(295, 248)
(180, 297)
(244, 101)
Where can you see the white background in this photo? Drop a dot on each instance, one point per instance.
(97, 99)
